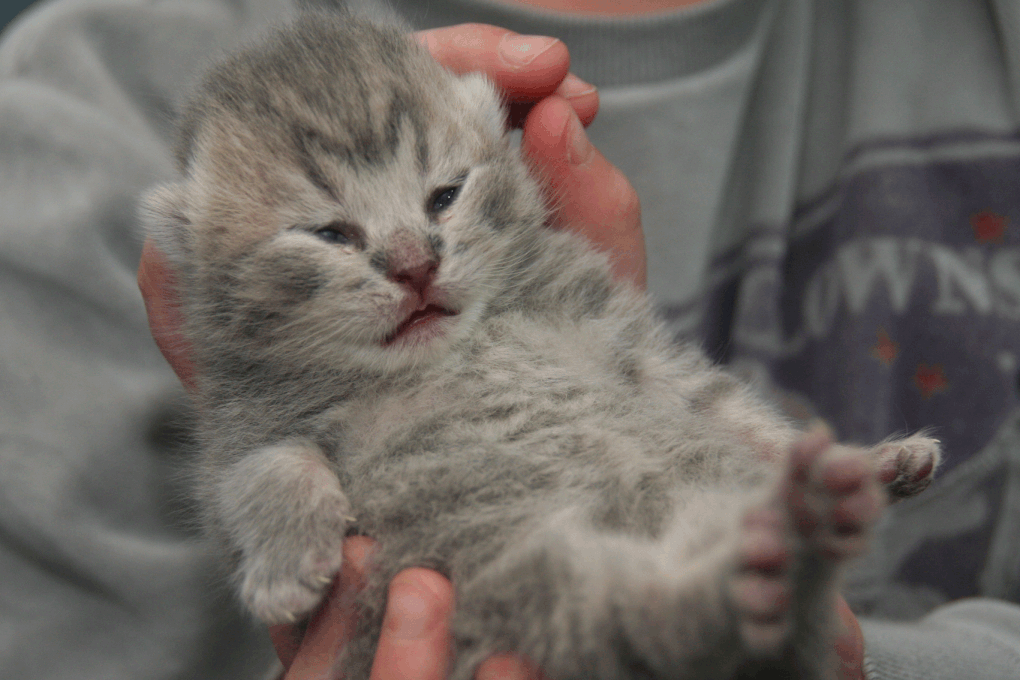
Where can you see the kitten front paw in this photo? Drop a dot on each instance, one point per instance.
(907, 466)
(284, 514)
(278, 592)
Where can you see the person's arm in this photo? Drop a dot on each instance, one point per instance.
(977, 639)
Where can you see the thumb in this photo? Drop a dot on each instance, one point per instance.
(849, 643)
(314, 651)
(589, 194)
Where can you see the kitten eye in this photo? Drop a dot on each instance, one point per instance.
(341, 235)
(443, 198)
(332, 236)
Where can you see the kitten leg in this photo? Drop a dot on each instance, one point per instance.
(791, 553)
(907, 466)
(729, 591)
(282, 511)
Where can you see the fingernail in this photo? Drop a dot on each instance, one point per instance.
(522, 49)
(572, 87)
(409, 614)
(579, 148)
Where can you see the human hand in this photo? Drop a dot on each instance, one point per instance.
(158, 285)
(415, 639)
(414, 644)
(587, 192)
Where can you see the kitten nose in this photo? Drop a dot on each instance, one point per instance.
(415, 276)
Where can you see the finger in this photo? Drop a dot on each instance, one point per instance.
(507, 667)
(583, 98)
(589, 194)
(415, 641)
(310, 649)
(849, 643)
(158, 286)
(526, 68)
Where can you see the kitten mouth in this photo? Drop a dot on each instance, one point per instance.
(423, 319)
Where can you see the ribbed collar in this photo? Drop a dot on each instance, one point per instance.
(610, 51)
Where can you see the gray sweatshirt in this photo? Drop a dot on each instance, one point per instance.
(829, 197)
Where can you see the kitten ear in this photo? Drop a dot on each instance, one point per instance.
(479, 94)
(164, 215)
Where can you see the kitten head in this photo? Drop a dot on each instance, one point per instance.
(345, 201)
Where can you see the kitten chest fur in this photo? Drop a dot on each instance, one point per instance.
(514, 391)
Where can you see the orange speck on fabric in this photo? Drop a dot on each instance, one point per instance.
(885, 350)
(930, 380)
(988, 226)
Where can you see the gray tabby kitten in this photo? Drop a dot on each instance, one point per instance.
(390, 341)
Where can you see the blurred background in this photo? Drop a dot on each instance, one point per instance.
(10, 9)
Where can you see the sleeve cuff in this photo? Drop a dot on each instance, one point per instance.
(976, 639)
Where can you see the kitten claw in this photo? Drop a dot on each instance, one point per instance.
(285, 597)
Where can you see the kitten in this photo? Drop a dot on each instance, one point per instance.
(389, 340)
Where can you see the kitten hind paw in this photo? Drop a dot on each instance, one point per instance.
(761, 589)
(285, 515)
(819, 516)
(832, 496)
